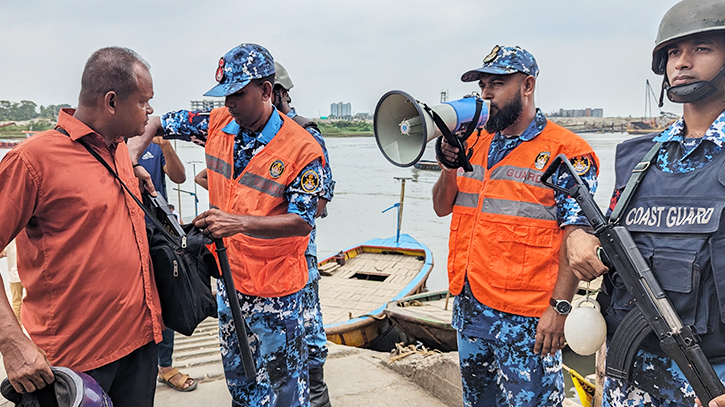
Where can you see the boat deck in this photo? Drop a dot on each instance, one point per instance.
(364, 282)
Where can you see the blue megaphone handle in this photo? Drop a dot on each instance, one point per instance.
(465, 111)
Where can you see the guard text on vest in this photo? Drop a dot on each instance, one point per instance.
(671, 216)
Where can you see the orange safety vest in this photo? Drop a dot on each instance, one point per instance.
(504, 232)
(263, 267)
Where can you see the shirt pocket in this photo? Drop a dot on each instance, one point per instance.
(523, 258)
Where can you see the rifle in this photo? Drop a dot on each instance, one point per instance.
(654, 311)
(250, 371)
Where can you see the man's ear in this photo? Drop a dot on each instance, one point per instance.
(529, 84)
(109, 102)
(266, 91)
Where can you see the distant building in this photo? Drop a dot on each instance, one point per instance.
(341, 111)
(588, 112)
(206, 104)
(363, 116)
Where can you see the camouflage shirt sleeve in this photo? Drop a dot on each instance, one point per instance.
(186, 125)
(568, 211)
(303, 193)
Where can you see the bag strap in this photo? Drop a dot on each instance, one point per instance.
(634, 180)
(150, 215)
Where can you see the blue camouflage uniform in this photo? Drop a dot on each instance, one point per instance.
(312, 314)
(648, 386)
(261, 314)
(498, 346)
(275, 324)
(496, 349)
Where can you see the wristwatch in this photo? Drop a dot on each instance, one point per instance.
(563, 307)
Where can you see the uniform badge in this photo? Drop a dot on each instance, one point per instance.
(220, 70)
(490, 57)
(542, 159)
(310, 181)
(276, 169)
(581, 165)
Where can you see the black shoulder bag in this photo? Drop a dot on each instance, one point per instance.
(182, 264)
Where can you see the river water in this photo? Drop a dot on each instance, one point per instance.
(366, 186)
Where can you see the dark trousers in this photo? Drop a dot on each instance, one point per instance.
(166, 348)
(131, 380)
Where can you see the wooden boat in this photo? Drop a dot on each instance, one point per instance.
(8, 144)
(648, 126)
(357, 283)
(425, 318)
(644, 127)
(427, 165)
(584, 388)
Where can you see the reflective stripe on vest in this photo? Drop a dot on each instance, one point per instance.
(477, 173)
(262, 184)
(466, 200)
(528, 176)
(518, 208)
(219, 166)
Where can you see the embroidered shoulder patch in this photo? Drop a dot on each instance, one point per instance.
(542, 159)
(276, 169)
(310, 181)
(581, 165)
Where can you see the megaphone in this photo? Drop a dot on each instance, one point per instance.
(403, 126)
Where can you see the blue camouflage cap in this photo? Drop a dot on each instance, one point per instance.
(504, 61)
(239, 66)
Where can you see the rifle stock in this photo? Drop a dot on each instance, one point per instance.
(653, 312)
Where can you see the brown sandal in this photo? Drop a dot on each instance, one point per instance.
(166, 378)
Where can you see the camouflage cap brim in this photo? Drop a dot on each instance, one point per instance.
(226, 89)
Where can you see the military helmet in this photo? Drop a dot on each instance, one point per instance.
(688, 17)
(282, 77)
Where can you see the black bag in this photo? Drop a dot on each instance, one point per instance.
(182, 270)
(182, 264)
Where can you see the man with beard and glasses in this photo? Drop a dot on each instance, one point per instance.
(511, 292)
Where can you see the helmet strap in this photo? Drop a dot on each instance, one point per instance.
(692, 92)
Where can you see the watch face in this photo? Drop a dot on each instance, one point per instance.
(563, 307)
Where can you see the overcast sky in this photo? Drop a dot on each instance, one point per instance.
(591, 53)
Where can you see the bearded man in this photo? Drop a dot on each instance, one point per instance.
(512, 294)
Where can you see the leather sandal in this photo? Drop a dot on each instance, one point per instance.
(166, 378)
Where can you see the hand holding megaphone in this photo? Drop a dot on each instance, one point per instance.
(446, 152)
(403, 126)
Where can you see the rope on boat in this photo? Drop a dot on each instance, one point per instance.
(401, 351)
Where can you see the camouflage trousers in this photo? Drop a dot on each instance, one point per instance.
(315, 337)
(497, 359)
(656, 381)
(276, 338)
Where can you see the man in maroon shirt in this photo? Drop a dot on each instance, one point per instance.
(91, 301)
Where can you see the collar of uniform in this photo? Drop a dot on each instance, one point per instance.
(715, 134)
(292, 113)
(535, 128)
(268, 132)
(75, 128)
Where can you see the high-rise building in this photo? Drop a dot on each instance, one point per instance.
(206, 104)
(341, 110)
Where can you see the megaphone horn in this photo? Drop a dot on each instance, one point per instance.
(403, 126)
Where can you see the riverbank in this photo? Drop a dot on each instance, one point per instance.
(355, 377)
